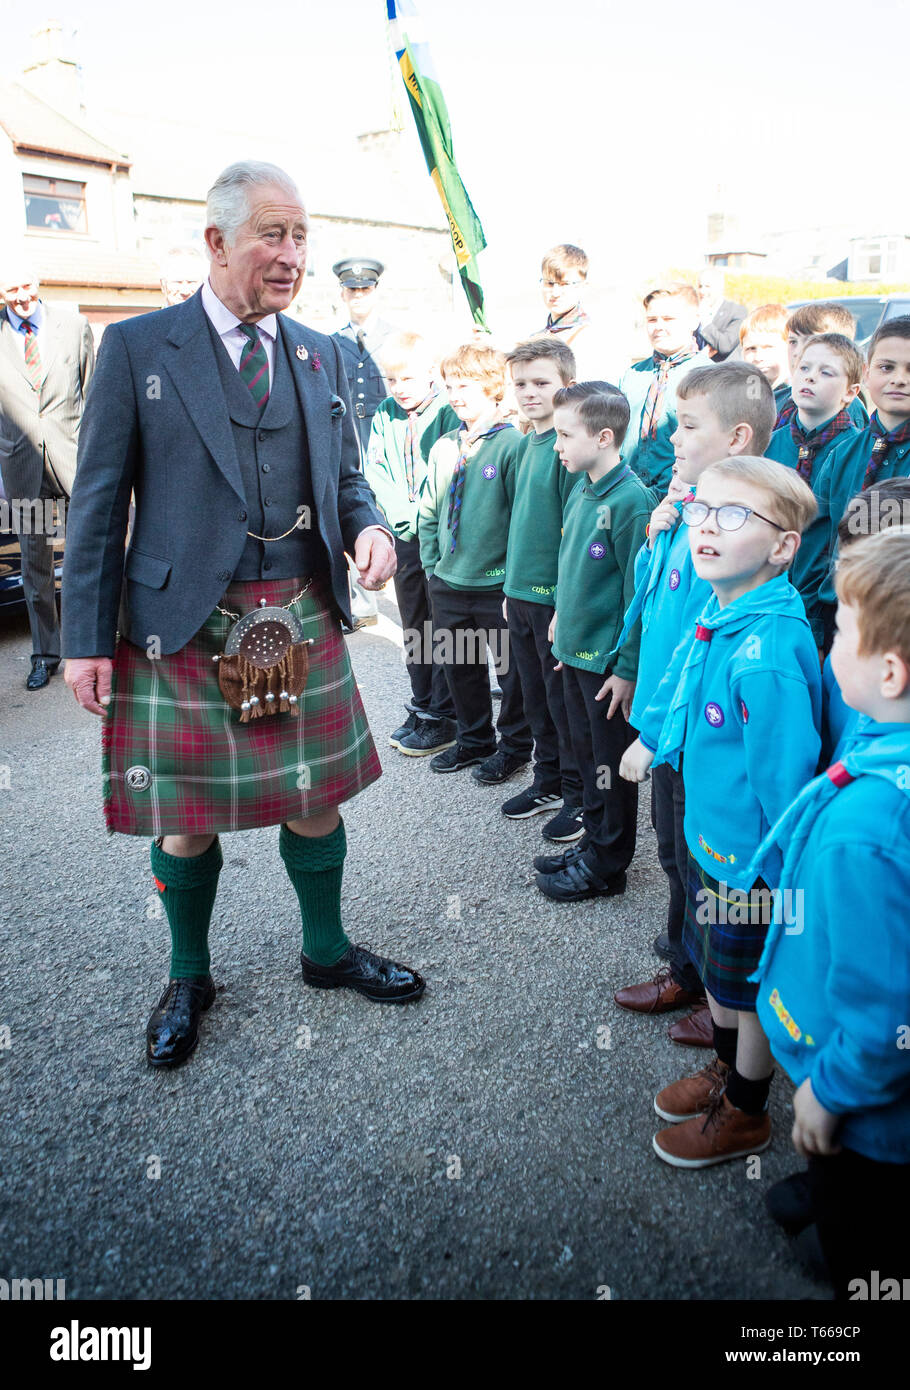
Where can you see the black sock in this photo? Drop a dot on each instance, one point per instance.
(751, 1096)
(725, 1043)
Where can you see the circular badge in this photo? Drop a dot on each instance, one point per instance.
(674, 579)
(714, 714)
(597, 550)
(489, 470)
(137, 778)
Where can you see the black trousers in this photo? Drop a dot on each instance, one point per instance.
(429, 689)
(465, 621)
(860, 1207)
(610, 804)
(668, 809)
(554, 765)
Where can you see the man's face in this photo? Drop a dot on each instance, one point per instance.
(561, 297)
(732, 558)
(21, 296)
(767, 352)
(888, 380)
(699, 439)
(180, 286)
(709, 290)
(261, 273)
(360, 301)
(409, 383)
(670, 323)
(535, 384)
(819, 385)
(578, 451)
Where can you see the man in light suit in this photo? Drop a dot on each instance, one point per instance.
(227, 420)
(46, 359)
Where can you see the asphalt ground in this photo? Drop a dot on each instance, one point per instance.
(490, 1141)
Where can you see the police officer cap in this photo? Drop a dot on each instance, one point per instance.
(357, 274)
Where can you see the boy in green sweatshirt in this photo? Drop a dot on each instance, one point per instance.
(463, 526)
(404, 429)
(539, 369)
(603, 530)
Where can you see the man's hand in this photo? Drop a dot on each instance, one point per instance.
(813, 1125)
(374, 557)
(89, 678)
(620, 693)
(635, 762)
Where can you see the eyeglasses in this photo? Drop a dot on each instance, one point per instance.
(560, 284)
(731, 516)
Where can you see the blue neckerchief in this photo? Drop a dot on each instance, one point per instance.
(869, 754)
(645, 596)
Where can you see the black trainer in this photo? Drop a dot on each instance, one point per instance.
(457, 757)
(500, 766)
(568, 825)
(430, 736)
(553, 863)
(577, 882)
(408, 727)
(530, 802)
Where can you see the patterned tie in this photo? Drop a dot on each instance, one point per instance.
(254, 365)
(32, 354)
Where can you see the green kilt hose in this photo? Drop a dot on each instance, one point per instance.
(724, 935)
(176, 758)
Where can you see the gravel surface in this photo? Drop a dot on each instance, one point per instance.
(482, 1143)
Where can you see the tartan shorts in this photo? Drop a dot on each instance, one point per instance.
(724, 935)
(177, 761)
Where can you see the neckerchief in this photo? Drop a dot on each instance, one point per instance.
(650, 416)
(466, 443)
(572, 318)
(786, 412)
(411, 447)
(774, 597)
(872, 753)
(884, 440)
(811, 442)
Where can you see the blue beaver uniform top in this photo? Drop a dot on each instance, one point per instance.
(746, 710)
(834, 977)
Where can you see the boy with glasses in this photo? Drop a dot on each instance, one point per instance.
(745, 713)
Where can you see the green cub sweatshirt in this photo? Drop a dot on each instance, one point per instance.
(478, 560)
(603, 531)
(535, 531)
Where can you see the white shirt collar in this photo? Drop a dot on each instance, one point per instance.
(224, 321)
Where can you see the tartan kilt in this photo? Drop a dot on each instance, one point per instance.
(196, 768)
(725, 953)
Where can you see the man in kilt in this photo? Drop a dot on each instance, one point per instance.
(230, 426)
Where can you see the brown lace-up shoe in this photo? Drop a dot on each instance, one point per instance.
(721, 1133)
(695, 1030)
(657, 996)
(692, 1094)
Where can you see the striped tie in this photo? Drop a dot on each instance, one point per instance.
(32, 354)
(254, 365)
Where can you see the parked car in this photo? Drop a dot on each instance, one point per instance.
(869, 311)
(12, 596)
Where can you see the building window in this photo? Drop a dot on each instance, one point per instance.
(54, 205)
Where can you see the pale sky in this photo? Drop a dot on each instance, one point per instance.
(616, 127)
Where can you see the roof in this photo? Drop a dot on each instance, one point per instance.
(69, 263)
(33, 125)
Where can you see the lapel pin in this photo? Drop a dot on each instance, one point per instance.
(302, 352)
